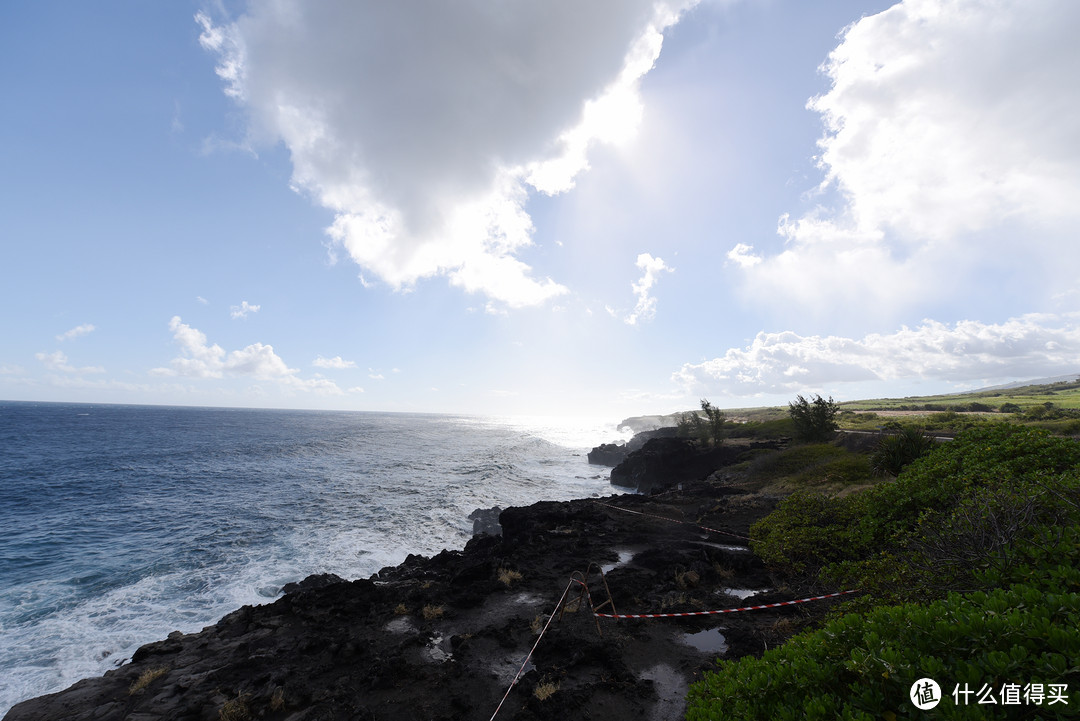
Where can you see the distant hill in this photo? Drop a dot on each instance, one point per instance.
(1035, 382)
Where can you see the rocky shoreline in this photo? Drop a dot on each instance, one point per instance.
(443, 637)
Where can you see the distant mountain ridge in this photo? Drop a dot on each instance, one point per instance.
(1034, 382)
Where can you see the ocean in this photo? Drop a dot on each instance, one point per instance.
(120, 524)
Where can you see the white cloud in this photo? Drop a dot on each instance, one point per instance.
(1025, 347)
(79, 330)
(58, 361)
(375, 375)
(335, 362)
(646, 304)
(743, 256)
(243, 310)
(425, 150)
(201, 300)
(199, 359)
(952, 131)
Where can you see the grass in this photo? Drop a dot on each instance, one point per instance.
(430, 613)
(145, 679)
(1063, 395)
(508, 576)
(235, 709)
(545, 690)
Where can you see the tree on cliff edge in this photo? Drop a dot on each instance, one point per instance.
(815, 421)
(708, 430)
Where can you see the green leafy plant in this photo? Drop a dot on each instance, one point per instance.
(897, 450)
(814, 420)
(976, 546)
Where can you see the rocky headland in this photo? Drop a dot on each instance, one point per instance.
(443, 637)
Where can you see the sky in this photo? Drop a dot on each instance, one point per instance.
(602, 208)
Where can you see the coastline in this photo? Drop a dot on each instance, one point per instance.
(442, 637)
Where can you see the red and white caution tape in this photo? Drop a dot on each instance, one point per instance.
(674, 520)
(725, 610)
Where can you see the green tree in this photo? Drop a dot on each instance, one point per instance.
(709, 429)
(815, 420)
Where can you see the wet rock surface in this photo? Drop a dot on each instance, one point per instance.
(443, 637)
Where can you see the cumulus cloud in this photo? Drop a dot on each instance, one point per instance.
(336, 362)
(743, 256)
(243, 310)
(58, 361)
(1028, 346)
(200, 359)
(645, 309)
(423, 127)
(79, 330)
(945, 121)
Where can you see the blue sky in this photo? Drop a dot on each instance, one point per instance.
(603, 208)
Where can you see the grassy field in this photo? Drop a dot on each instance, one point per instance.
(1062, 395)
(1054, 406)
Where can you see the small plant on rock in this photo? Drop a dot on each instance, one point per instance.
(545, 690)
(508, 576)
(145, 679)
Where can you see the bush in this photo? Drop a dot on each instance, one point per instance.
(895, 451)
(808, 531)
(814, 420)
(862, 667)
(995, 512)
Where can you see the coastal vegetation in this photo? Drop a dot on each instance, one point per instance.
(706, 427)
(814, 420)
(968, 563)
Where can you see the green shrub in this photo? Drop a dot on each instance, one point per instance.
(897, 450)
(863, 666)
(808, 531)
(814, 420)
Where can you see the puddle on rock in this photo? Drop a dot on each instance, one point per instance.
(708, 641)
(438, 649)
(725, 547)
(625, 556)
(508, 668)
(671, 687)
(401, 624)
(742, 593)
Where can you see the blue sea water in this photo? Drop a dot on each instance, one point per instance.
(120, 524)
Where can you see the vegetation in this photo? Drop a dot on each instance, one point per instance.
(969, 561)
(430, 613)
(814, 420)
(707, 430)
(545, 690)
(899, 449)
(146, 678)
(508, 576)
(1065, 395)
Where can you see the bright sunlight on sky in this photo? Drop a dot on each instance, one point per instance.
(609, 207)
